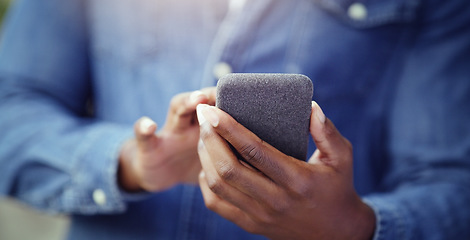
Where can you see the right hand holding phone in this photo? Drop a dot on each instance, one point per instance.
(283, 198)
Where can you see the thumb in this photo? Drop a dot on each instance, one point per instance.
(332, 147)
(144, 130)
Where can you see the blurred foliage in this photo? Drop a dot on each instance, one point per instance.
(3, 8)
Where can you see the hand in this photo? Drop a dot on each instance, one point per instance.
(155, 162)
(283, 198)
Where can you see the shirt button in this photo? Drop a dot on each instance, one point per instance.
(99, 197)
(357, 11)
(221, 69)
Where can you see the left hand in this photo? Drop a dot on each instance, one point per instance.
(283, 198)
(155, 162)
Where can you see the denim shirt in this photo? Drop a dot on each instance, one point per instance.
(393, 75)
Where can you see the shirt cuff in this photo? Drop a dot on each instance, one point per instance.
(391, 220)
(95, 188)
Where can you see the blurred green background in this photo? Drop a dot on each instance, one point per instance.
(3, 8)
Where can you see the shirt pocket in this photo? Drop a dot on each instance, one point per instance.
(346, 46)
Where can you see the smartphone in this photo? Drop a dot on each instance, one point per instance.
(275, 107)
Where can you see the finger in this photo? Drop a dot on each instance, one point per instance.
(224, 208)
(182, 109)
(144, 127)
(332, 147)
(210, 93)
(279, 167)
(222, 189)
(230, 169)
(144, 130)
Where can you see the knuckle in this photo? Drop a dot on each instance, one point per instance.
(228, 172)
(216, 185)
(176, 100)
(279, 207)
(177, 104)
(252, 152)
(302, 187)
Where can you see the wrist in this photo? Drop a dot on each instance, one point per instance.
(128, 178)
(365, 222)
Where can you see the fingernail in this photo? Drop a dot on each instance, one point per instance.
(318, 112)
(200, 117)
(145, 124)
(194, 97)
(206, 113)
(211, 116)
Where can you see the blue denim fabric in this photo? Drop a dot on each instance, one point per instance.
(396, 83)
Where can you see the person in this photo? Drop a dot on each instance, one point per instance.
(391, 77)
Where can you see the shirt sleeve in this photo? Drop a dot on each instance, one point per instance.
(54, 155)
(428, 185)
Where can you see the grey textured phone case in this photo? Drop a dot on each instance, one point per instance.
(276, 107)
